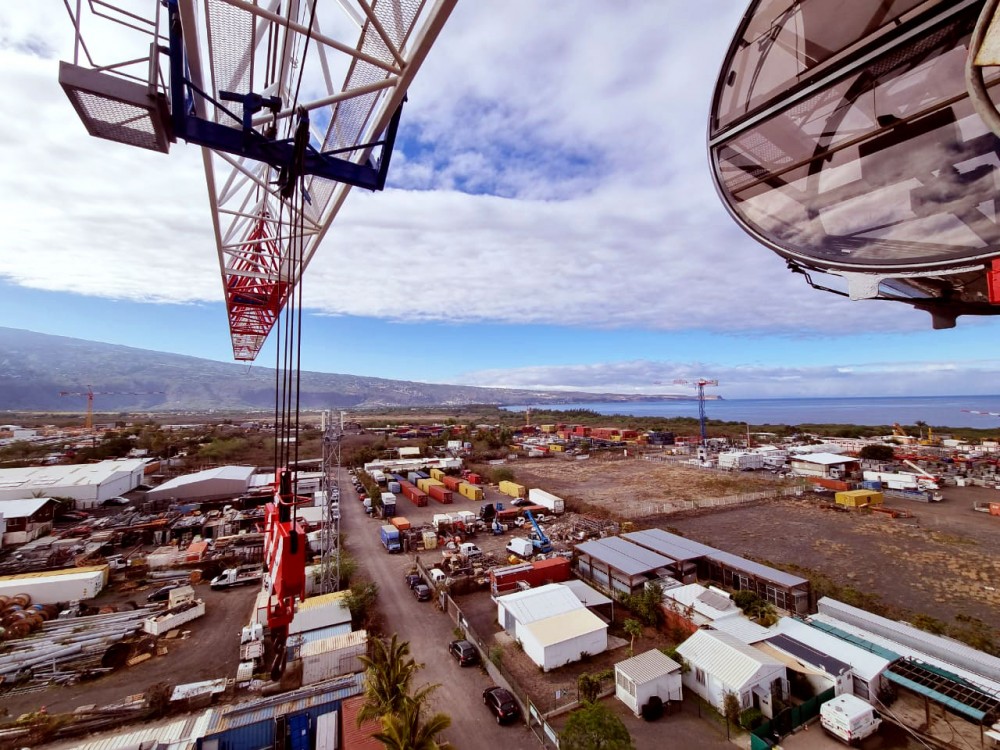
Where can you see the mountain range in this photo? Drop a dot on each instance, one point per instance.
(40, 372)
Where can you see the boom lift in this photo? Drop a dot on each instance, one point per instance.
(539, 541)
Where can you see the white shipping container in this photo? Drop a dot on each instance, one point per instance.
(57, 587)
(540, 497)
(332, 657)
(741, 461)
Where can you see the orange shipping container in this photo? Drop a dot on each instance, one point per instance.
(400, 522)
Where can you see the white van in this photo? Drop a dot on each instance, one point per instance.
(849, 718)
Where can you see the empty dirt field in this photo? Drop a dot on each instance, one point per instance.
(942, 565)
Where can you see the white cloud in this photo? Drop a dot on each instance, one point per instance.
(556, 173)
(645, 377)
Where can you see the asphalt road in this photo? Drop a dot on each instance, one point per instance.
(428, 631)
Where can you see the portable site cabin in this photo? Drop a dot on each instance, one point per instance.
(650, 674)
(858, 498)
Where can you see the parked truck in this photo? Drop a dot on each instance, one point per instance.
(241, 576)
(551, 502)
(849, 718)
(390, 538)
(388, 505)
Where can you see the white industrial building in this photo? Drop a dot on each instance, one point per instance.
(87, 484)
(646, 675)
(826, 465)
(552, 625)
(722, 664)
(211, 484)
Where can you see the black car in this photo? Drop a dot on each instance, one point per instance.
(502, 704)
(412, 579)
(422, 592)
(163, 593)
(464, 652)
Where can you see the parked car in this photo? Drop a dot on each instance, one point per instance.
(412, 579)
(163, 593)
(501, 704)
(116, 501)
(464, 652)
(422, 592)
(520, 502)
(72, 515)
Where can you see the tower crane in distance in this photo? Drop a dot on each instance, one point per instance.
(90, 393)
(700, 384)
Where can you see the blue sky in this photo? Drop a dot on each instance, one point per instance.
(549, 222)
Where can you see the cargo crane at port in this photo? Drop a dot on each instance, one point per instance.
(282, 144)
(857, 141)
(88, 423)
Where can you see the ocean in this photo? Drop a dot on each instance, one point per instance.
(937, 411)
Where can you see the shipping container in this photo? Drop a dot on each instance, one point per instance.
(472, 478)
(553, 503)
(452, 483)
(415, 496)
(401, 523)
(858, 498)
(440, 494)
(426, 484)
(413, 477)
(471, 492)
(430, 540)
(332, 657)
(394, 487)
(552, 570)
(437, 474)
(513, 489)
(57, 586)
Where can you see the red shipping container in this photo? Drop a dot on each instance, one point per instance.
(452, 482)
(440, 494)
(474, 479)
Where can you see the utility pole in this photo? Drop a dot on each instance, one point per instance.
(700, 384)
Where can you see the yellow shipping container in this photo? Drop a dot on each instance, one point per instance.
(548, 428)
(858, 498)
(556, 447)
(513, 489)
(426, 484)
(470, 491)
(436, 474)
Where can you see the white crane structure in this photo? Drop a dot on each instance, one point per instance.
(275, 91)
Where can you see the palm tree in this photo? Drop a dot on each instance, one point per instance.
(389, 673)
(404, 730)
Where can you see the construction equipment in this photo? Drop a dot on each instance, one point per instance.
(700, 384)
(539, 541)
(90, 393)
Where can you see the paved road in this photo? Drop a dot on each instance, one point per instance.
(428, 630)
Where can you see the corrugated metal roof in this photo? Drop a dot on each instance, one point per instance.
(566, 627)
(356, 638)
(946, 649)
(319, 612)
(23, 508)
(864, 663)
(176, 731)
(721, 655)
(647, 667)
(693, 595)
(629, 558)
(240, 474)
(267, 709)
(892, 649)
(588, 595)
(758, 570)
(743, 629)
(540, 603)
(68, 475)
(353, 736)
(671, 545)
(825, 459)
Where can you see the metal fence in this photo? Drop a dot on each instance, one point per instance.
(769, 732)
(640, 509)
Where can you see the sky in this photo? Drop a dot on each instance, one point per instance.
(549, 222)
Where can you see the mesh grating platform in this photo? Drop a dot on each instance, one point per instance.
(117, 109)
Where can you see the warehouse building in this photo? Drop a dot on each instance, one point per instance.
(88, 485)
(783, 590)
(220, 483)
(617, 565)
(823, 465)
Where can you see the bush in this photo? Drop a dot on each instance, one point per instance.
(751, 718)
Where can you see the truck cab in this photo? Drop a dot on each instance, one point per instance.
(470, 551)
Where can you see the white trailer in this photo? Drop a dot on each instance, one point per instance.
(741, 461)
(901, 480)
(546, 499)
(182, 609)
(57, 586)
